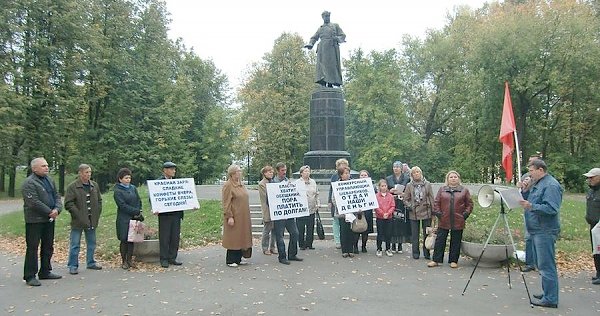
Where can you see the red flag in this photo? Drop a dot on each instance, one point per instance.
(507, 130)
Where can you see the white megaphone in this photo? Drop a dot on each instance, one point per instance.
(487, 195)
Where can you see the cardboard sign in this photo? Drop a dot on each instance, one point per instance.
(169, 195)
(354, 195)
(287, 200)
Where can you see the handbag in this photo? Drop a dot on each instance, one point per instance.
(359, 225)
(320, 229)
(136, 231)
(430, 240)
(431, 236)
(596, 238)
(247, 253)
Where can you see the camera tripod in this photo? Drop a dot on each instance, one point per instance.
(501, 215)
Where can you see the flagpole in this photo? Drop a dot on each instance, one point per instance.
(518, 155)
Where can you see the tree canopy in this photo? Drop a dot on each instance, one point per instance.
(437, 101)
(100, 82)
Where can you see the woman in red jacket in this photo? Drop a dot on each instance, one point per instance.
(384, 214)
(452, 206)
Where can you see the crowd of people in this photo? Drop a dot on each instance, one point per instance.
(83, 200)
(408, 208)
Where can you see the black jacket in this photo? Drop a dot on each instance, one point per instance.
(37, 201)
(128, 205)
(592, 210)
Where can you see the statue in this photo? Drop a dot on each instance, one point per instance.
(329, 66)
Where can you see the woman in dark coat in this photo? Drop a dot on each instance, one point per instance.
(452, 206)
(400, 225)
(364, 236)
(129, 205)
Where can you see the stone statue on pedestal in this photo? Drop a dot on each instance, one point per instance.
(329, 66)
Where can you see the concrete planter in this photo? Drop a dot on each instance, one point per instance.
(493, 256)
(147, 251)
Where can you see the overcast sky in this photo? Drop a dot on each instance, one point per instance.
(236, 33)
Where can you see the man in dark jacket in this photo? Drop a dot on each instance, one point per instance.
(42, 205)
(84, 201)
(169, 225)
(592, 213)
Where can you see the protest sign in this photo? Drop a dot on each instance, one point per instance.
(287, 200)
(169, 195)
(354, 195)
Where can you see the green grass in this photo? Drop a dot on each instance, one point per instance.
(20, 177)
(574, 236)
(198, 227)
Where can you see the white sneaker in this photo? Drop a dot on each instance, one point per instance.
(233, 265)
(388, 253)
(379, 253)
(399, 251)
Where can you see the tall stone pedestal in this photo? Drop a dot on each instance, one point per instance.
(327, 133)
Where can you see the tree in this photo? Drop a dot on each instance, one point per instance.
(376, 128)
(274, 104)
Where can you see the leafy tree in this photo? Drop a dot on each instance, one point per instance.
(274, 105)
(376, 126)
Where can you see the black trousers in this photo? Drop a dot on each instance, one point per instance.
(440, 245)
(34, 234)
(306, 224)
(169, 229)
(281, 226)
(596, 257)
(384, 233)
(233, 256)
(414, 239)
(347, 236)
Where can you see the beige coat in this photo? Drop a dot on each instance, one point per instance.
(264, 200)
(312, 194)
(420, 206)
(236, 205)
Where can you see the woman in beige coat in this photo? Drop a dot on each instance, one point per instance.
(237, 227)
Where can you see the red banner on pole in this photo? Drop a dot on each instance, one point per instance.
(507, 132)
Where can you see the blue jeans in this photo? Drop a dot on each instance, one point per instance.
(529, 250)
(90, 241)
(544, 245)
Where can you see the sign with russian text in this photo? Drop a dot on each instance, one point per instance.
(287, 200)
(169, 195)
(354, 195)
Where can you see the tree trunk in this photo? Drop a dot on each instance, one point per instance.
(11, 181)
(2, 171)
(61, 179)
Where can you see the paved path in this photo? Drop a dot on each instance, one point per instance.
(324, 284)
(7, 206)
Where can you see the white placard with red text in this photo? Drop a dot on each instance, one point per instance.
(169, 195)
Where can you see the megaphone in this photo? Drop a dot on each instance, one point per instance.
(487, 195)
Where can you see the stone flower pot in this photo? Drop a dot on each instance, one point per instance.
(493, 256)
(147, 251)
